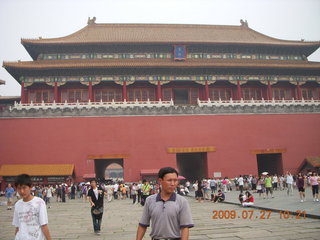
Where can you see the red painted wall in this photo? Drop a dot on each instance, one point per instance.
(146, 139)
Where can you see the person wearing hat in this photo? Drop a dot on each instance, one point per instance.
(169, 212)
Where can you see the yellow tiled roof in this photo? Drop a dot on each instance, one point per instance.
(166, 33)
(314, 161)
(37, 169)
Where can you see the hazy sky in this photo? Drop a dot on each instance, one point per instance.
(283, 19)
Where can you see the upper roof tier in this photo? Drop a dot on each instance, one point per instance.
(167, 34)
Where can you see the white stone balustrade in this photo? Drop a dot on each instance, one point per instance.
(90, 105)
(252, 102)
(150, 104)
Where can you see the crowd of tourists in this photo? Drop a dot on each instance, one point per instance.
(264, 185)
(149, 195)
(213, 189)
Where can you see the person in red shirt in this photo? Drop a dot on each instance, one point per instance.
(249, 200)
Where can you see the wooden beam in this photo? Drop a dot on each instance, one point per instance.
(191, 149)
(107, 156)
(269, 151)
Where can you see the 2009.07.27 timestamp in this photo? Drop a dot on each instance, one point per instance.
(251, 214)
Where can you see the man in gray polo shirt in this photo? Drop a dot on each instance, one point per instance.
(169, 212)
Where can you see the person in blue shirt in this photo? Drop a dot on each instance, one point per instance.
(9, 195)
(219, 197)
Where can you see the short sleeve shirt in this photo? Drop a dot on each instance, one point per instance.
(240, 181)
(314, 180)
(29, 217)
(9, 192)
(167, 217)
(268, 182)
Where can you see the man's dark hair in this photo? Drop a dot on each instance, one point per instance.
(93, 180)
(166, 170)
(23, 179)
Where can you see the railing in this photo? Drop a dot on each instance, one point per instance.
(89, 105)
(150, 104)
(252, 102)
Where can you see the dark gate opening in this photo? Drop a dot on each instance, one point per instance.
(108, 168)
(271, 163)
(193, 166)
(181, 96)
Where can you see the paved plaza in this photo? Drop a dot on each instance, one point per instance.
(72, 220)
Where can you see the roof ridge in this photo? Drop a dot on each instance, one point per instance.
(173, 25)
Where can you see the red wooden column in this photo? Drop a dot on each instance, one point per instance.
(90, 91)
(159, 91)
(56, 95)
(206, 93)
(22, 93)
(124, 91)
(239, 90)
(269, 91)
(299, 94)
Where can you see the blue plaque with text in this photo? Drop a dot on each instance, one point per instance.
(179, 52)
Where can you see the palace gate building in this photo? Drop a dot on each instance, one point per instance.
(209, 100)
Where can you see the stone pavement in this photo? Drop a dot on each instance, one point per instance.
(72, 220)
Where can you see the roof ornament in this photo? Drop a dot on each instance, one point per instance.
(91, 21)
(244, 23)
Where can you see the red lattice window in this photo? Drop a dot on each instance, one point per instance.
(194, 95)
(281, 93)
(107, 95)
(167, 94)
(219, 93)
(251, 93)
(141, 94)
(74, 95)
(37, 96)
(309, 93)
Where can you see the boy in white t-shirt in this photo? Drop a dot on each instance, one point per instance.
(30, 213)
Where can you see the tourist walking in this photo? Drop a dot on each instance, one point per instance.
(169, 213)
(9, 195)
(73, 191)
(145, 189)
(260, 187)
(95, 197)
(300, 186)
(289, 181)
(134, 193)
(281, 182)
(30, 214)
(199, 192)
(268, 186)
(109, 190)
(240, 183)
(254, 183)
(275, 182)
(314, 181)
(49, 195)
